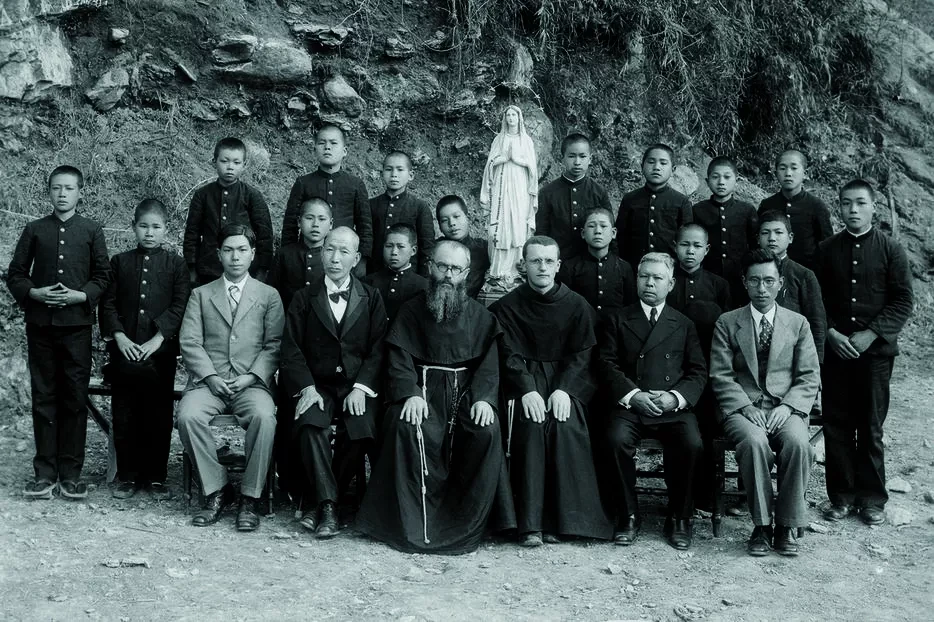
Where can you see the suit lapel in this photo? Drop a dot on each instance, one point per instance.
(746, 336)
(665, 324)
(637, 322)
(219, 299)
(781, 338)
(321, 307)
(354, 304)
(247, 301)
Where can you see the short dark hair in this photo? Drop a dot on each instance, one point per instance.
(574, 137)
(758, 256)
(660, 147)
(331, 126)
(798, 152)
(230, 143)
(692, 226)
(858, 184)
(774, 215)
(407, 230)
(722, 161)
(311, 201)
(600, 210)
(66, 169)
(449, 199)
(539, 240)
(150, 206)
(401, 154)
(229, 231)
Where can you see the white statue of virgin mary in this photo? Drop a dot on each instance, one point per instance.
(510, 191)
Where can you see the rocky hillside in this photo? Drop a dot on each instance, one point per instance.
(135, 93)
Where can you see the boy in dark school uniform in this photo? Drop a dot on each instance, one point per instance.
(801, 292)
(451, 212)
(866, 281)
(731, 226)
(399, 206)
(599, 275)
(650, 216)
(398, 282)
(226, 201)
(140, 316)
(58, 272)
(345, 193)
(809, 216)
(564, 203)
(299, 264)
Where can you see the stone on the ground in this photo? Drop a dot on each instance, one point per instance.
(322, 35)
(898, 484)
(461, 145)
(118, 35)
(898, 516)
(201, 112)
(109, 89)
(342, 97)
(614, 568)
(239, 109)
(399, 49)
(274, 61)
(234, 49)
(463, 102)
(818, 527)
(929, 496)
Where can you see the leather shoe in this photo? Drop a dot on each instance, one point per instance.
(327, 521)
(309, 520)
(872, 515)
(247, 518)
(627, 530)
(836, 512)
(531, 539)
(760, 542)
(786, 541)
(213, 507)
(679, 532)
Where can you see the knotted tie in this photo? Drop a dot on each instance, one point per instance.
(233, 297)
(765, 334)
(336, 296)
(653, 317)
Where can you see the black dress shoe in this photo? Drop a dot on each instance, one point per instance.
(213, 507)
(786, 541)
(679, 532)
(627, 530)
(872, 515)
(836, 512)
(247, 517)
(327, 521)
(309, 520)
(760, 542)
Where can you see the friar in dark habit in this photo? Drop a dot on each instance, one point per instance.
(441, 478)
(548, 338)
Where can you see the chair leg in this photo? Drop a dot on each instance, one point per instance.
(269, 491)
(186, 480)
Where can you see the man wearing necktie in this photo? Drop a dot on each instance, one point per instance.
(764, 371)
(230, 340)
(332, 357)
(652, 365)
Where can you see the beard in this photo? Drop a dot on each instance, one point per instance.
(445, 299)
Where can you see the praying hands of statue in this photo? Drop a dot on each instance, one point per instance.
(482, 414)
(414, 410)
(308, 397)
(560, 405)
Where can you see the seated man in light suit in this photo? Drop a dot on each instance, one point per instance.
(230, 339)
(764, 372)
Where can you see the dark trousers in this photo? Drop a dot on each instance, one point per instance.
(59, 370)
(855, 403)
(142, 405)
(325, 476)
(706, 414)
(683, 449)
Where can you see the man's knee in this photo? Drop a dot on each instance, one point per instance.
(621, 439)
(754, 441)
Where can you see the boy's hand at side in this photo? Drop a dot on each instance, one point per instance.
(151, 346)
(130, 350)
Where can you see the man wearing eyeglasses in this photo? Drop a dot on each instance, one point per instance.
(548, 339)
(441, 473)
(765, 372)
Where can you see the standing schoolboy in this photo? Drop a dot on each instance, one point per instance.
(801, 292)
(58, 271)
(809, 216)
(140, 316)
(599, 275)
(399, 206)
(345, 193)
(564, 203)
(730, 224)
(226, 201)
(650, 216)
(298, 264)
(866, 282)
(451, 212)
(398, 282)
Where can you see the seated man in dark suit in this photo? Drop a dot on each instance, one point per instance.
(650, 360)
(332, 355)
(765, 372)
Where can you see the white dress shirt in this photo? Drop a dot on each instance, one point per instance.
(339, 308)
(647, 310)
(240, 285)
(757, 319)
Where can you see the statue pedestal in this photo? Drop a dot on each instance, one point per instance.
(495, 288)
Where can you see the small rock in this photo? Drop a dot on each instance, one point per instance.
(927, 444)
(118, 36)
(240, 110)
(235, 49)
(484, 565)
(689, 612)
(521, 69)
(305, 545)
(898, 516)
(728, 602)
(268, 549)
(272, 62)
(437, 41)
(58, 598)
(111, 563)
(462, 103)
(321, 35)
(294, 9)
(897, 484)
(462, 145)
(414, 574)
(202, 113)
(294, 554)
(175, 573)
(614, 569)
(109, 89)
(341, 96)
(399, 49)
(911, 469)
(281, 535)
(296, 104)
(929, 496)
(818, 528)
(21, 446)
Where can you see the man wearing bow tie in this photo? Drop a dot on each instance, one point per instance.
(332, 356)
(230, 340)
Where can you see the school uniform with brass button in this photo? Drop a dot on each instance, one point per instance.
(297, 265)
(406, 209)
(732, 228)
(563, 205)
(397, 287)
(606, 283)
(648, 221)
(810, 220)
